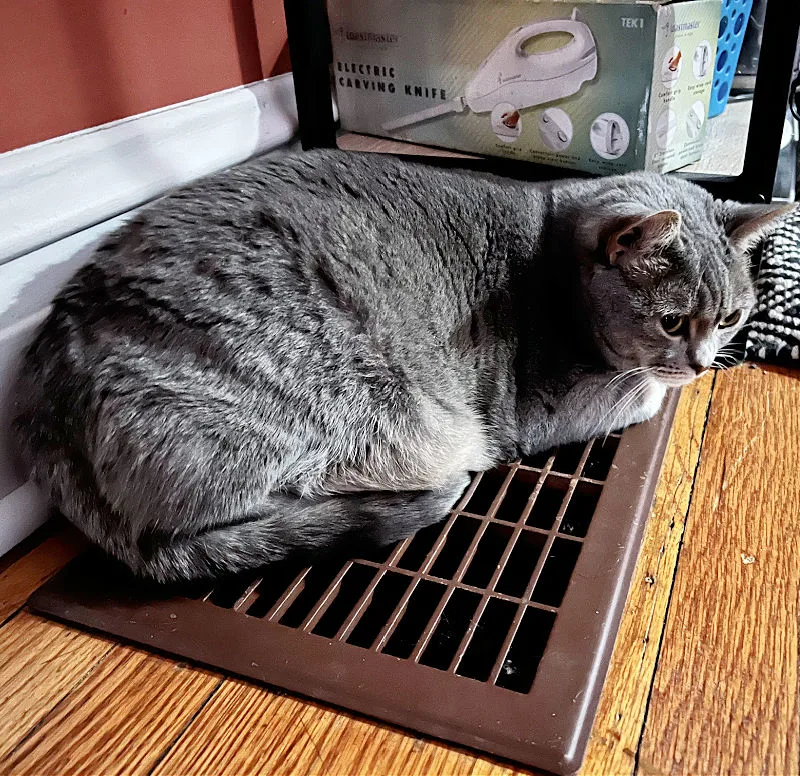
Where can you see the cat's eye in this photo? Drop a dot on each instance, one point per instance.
(731, 319)
(673, 324)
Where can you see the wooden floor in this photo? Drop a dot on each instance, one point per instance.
(704, 678)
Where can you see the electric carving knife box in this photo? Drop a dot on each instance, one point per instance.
(604, 87)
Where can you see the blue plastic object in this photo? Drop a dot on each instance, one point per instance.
(732, 26)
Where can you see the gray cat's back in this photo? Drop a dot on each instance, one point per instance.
(348, 230)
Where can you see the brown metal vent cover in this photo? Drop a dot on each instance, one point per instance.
(493, 629)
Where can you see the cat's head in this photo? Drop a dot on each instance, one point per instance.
(667, 273)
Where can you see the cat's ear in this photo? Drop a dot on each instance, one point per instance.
(747, 225)
(636, 242)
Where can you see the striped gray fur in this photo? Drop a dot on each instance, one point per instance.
(303, 352)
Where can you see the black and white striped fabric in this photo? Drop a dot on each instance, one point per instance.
(773, 332)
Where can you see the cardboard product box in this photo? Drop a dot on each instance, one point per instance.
(604, 87)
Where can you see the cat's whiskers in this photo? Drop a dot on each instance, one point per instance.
(629, 397)
(620, 380)
(727, 357)
(623, 376)
(728, 353)
(627, 401)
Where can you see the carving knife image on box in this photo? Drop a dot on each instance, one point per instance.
(511, 75)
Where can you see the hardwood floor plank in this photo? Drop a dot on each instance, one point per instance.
(41, 662)
(33, 569)
(353, 745)
(119, 721)
(623, 704)
(246, 729)
(725, 697)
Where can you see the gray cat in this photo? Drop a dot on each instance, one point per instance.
(298, 353)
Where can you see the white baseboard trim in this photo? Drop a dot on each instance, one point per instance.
(21, 512)
(53, 189)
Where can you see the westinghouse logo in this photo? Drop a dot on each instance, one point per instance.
(365, 36)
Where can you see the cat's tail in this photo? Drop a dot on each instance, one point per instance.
(286, 525)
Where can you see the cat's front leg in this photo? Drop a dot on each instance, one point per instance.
(594, 406)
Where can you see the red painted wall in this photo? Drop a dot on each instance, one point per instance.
(70, 64)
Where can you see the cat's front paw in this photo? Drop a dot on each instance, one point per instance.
(650, 396)
(650, 402)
